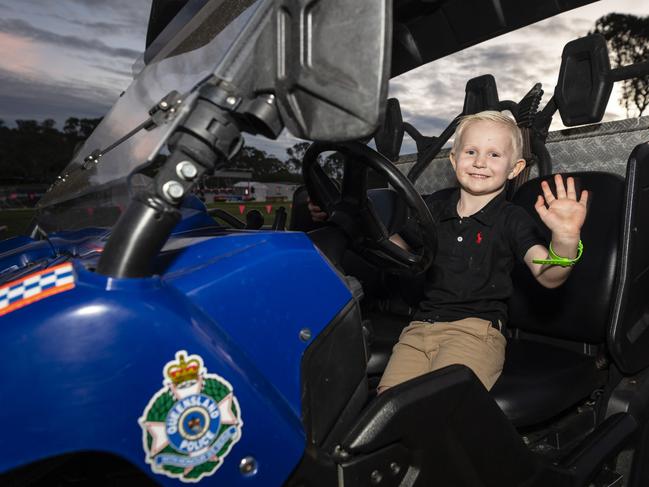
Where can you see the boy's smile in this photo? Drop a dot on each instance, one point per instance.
(485, 158)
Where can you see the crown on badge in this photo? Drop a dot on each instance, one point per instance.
(183, 371)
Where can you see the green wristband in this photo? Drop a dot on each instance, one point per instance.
(562, 261)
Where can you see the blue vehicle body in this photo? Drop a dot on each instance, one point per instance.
(136, 331)
(85, 362)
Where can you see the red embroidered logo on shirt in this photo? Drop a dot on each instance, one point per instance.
(478, 238)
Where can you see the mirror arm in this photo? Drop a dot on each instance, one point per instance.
(208, 137)
(630, 71)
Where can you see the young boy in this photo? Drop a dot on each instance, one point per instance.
(479, 235)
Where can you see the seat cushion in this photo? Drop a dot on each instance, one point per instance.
(540, 381)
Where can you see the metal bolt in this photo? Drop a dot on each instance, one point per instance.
(231, 100)
(186, 170)
(248, 466)
(395, 468)
(340, 452)
(173, 190)
(271, 99)
(376, 477)
(305, 334)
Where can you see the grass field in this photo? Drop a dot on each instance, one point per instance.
(267, 209)
(17, 220)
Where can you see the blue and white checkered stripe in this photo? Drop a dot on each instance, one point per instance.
(36, 284)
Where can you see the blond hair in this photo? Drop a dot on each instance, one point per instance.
(491, 116)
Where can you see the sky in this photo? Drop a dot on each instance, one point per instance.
(432, 95)
(63, 58)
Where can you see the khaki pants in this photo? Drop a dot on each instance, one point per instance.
(424, 347)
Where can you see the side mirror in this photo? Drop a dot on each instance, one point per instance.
(332, 65)
(292, 57)
(389, 136)
(585, 84)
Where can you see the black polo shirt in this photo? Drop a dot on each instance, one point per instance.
(471, 273)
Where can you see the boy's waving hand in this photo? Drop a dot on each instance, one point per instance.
(564, 215)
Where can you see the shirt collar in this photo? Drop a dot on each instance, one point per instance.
(486, 215)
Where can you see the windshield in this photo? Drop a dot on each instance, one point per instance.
(95, 193)
(431, 96)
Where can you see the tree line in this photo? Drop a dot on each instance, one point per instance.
(627, 37)
(36, 152)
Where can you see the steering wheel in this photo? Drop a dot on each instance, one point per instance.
(350, 209)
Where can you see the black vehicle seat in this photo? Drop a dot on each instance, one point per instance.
(628, 340)
(556, 356)
(443, 427)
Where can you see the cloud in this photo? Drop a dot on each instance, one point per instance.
(21, 28)
(275, 147)
(126, 7)
(104, 28)
(561, 26)
(432, 95)
(25, 97)
(120, 14)
(517, 60)
(122, 73)
(18, 53)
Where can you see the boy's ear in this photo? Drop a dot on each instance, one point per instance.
(451, 156)
(519, 165)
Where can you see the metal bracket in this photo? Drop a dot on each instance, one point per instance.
(164, 111)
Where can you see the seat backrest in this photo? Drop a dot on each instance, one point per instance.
(628, 339)
(580, 310)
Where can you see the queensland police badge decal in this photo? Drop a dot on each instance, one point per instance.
(191, 424)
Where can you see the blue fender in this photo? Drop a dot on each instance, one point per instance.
(84, 364)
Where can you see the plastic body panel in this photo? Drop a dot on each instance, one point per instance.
(628, 338)
(85, 362)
